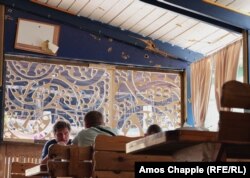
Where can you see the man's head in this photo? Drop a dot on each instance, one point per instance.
(61, 131)
(152, 129)
(93, 119)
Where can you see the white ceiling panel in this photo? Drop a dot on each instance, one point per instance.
(103, 9)
(210, 40)
(158, 23)
(228, 39)
(123, 16)
(66, 4)
(154, 22)
(193, 35)
(77, 6)
(148, 19)
(115, 11)
(168, 27)
(53, 3)
(139, 15)
(42, 1)
(181, 28)
(90, 7)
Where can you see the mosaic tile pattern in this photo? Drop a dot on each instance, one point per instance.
(144, 98)
(37, 94)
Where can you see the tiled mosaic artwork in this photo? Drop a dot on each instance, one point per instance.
(37, 94)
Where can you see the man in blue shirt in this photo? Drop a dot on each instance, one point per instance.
(61, 131)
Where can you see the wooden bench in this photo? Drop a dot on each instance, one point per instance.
(234, 127)
(18, 169)
(106, 159)
(111, 161)
(70, 161)
(19, 156)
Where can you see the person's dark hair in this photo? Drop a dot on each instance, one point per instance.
(61, 125)
(154, 128)
(93, 119)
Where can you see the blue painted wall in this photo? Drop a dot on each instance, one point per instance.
(76, 44)
(80, 45)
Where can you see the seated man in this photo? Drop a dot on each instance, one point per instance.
(61, 131)
(152, 129)
(94, 123)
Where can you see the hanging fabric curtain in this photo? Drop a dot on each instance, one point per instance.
(226, 64)
(200, 89)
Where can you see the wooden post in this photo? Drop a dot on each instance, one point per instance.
(1, 42)
(2, 146)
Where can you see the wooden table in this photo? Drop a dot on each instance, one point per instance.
(39, 170)
(169, 142)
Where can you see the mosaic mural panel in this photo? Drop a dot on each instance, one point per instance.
(145, 98)
(38, 94)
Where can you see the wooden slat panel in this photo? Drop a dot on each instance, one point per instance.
(63, 152)
(141, 13)
(39, 169)
(65, 4)
(114, 161)
(158, 23)
(17, 167)
(59, 152)
(41, 1)
(77, 6)
(1, 42)
(103, 9)
(17, 150)
(73, 161)
(2, 160)
(107, 143)
(127, 13)
(111, 174)
(60, 169)
(89, 8)
(236, 95)
(228, 38)
(147, 20)
(210, 40)
(170, 26)
(70, 160)
(178, 31)
(234, 127)
(85, 153)
(53, 3)
(116, 10)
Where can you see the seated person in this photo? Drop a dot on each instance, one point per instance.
(61, 131)
(94, 123)
(152, 129)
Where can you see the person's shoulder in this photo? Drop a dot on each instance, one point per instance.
(49, 142)
(115, 131)
(70, 142)
(84, 132)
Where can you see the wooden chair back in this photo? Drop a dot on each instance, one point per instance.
(70, 161)
(15, 159)
(234, 127)
(111, 161)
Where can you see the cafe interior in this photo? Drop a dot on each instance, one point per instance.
(183, 65)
